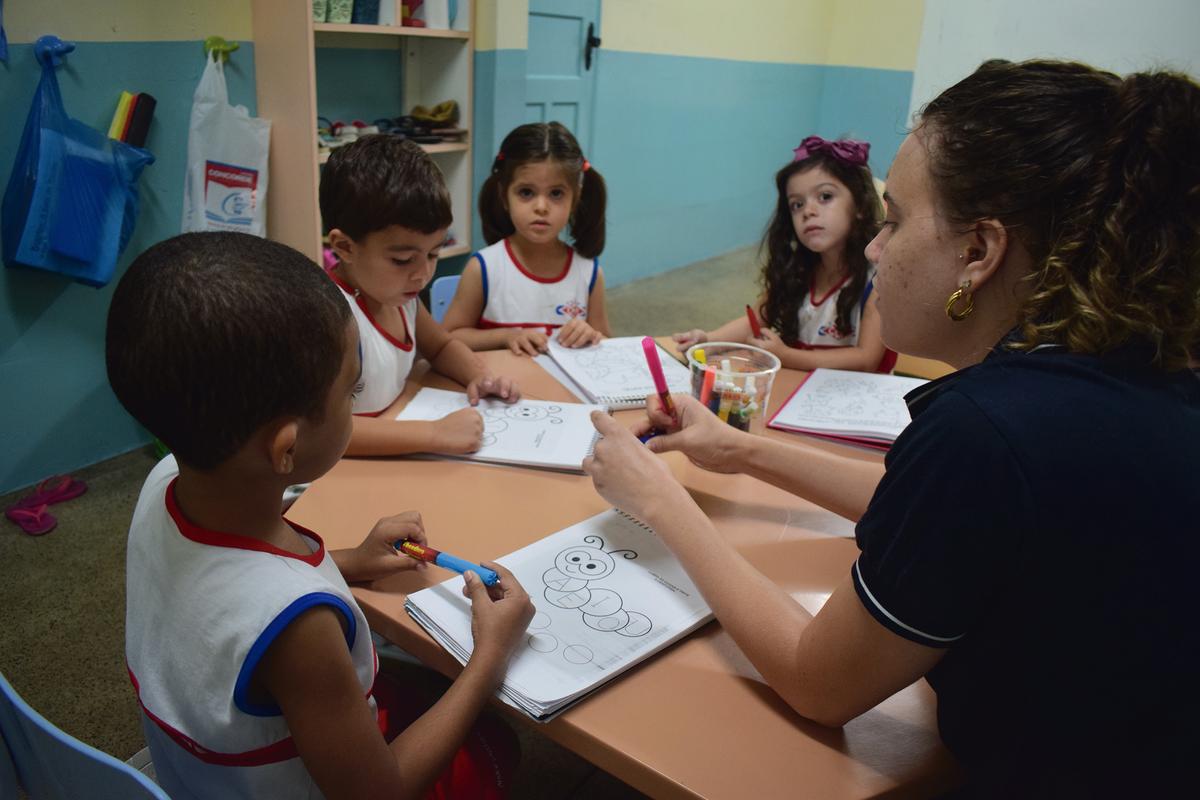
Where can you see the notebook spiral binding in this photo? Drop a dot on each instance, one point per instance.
(635, 521)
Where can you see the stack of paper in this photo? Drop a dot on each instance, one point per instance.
(608, 594)
(530, 433)
(614, 372)
(862, 408)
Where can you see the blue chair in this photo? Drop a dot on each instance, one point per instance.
(48, 763)
(441, 292)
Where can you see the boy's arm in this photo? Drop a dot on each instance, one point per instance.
(597, 315)
(308, 672)
(465, 310)
(456, 361)
(459, 432)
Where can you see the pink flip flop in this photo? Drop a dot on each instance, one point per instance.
(34, 521)
(55, 489)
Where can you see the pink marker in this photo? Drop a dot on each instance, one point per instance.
(660, 380)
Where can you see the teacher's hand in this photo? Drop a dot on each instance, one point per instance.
(628, 475)
(700, 435)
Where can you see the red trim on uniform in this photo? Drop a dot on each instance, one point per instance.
(530, 275)
(831, 292)
(283, 750)
(362, 304)
(194, 532)
(487, 324)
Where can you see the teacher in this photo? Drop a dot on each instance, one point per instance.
(1031, 542)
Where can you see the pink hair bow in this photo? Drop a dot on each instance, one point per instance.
(849, 151)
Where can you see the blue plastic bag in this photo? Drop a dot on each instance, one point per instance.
(72, 200)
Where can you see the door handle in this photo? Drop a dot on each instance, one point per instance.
(593, 41)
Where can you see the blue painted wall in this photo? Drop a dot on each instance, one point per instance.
(58, 411)
(359, 83)
(689, 146)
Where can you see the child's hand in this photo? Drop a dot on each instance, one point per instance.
(527, 341)
(499, 616)
(689, 338)
(488, 386)
(577, 333)
(771, 342)
(377, 556)
(458, 433)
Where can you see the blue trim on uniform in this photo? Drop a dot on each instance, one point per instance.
(264, 640)
(483, 275)
(862, 304)
(595, 272)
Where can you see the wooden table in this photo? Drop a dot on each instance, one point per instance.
(695, 720)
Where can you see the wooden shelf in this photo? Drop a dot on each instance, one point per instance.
(443, 147)
(390, 30)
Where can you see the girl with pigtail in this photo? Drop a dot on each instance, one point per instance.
(528, 284)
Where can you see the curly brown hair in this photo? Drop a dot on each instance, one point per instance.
(1099, 179)
(788, 266)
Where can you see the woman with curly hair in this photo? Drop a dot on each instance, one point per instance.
(1029, 544)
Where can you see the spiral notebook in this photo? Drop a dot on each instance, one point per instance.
(614, 372)
(530, 433)
(861, 408)
(608, 594)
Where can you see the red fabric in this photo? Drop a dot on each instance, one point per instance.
(482, 768)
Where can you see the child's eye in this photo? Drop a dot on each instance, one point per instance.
(557, 193)
(525, 193)
(826, 197)
(795, 205)
(402, 262)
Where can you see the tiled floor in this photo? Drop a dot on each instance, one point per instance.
(62, 596)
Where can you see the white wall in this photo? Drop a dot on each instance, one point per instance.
(1117, 35)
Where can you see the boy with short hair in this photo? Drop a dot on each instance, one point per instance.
(386, 208)
(252, 661)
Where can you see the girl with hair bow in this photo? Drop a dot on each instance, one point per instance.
(816, 303)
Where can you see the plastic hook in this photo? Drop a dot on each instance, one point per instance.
(49, 50)
(218, 45)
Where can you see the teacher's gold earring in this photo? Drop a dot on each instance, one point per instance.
(960, 315)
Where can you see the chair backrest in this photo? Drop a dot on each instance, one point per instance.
(50, 764)
(441, 292)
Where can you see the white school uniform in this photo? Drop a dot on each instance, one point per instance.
(513, 297)
(202, 607)
(386, 360)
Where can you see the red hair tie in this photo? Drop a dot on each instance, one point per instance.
(586, 165)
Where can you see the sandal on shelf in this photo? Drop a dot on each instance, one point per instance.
(35, 521)
(55, 489)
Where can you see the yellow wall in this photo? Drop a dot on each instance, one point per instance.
(127, 20)
(883, 34)
(788, 31)
(502, 24)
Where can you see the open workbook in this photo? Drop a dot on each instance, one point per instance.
(863, 408)
(530, 433)
(614, 371)
(608, 594)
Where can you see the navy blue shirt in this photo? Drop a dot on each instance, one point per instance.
(1038, 518)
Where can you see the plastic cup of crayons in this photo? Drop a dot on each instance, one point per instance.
(734, 381)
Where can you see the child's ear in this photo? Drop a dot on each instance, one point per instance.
(341, 244)
(281, 447)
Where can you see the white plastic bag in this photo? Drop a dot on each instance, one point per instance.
(225, 188)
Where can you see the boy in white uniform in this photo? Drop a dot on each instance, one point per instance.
(252, 661)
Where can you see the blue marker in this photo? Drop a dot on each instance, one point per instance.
(446, 561)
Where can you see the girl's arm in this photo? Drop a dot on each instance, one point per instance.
(863, 357)
(454, 359)
(597, 315)
(465, 309)
(736, 330)
(830, 667)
